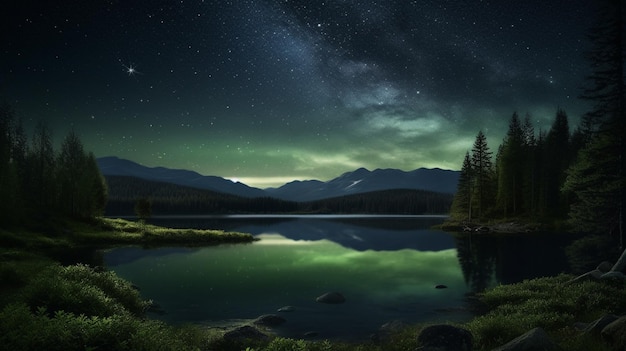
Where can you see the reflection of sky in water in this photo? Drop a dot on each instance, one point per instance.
(214, 284)
(352, 231)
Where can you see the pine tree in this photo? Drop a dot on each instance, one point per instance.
(596, 180)
(9, 181)
(143, 209)
(92, 189)
(40, 178)
(70, 167)
(510, 167)
(605, 84)
(482, 168)
(462, 202)
(557, 151)
(530, 173)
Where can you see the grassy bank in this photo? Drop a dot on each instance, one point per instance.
(113, 232)
(120, 231)
(44, 305)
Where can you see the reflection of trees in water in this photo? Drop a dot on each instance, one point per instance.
(489, 259)
(477, 256)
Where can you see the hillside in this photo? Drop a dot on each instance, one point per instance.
(172, 199)
(349, 183)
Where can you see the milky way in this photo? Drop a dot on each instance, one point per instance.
(271, 91)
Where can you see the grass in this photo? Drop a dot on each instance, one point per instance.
(549, 303)
(120, 231)
(113, 232)
(44, 305)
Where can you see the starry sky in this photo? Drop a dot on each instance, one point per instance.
(269, 91)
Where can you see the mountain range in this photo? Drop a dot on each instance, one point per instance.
(349, 183)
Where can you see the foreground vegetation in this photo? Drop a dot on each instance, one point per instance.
(44, 305)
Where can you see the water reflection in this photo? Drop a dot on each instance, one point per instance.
(356, 232)
(229, 284)
(487, 260)
(386, 267)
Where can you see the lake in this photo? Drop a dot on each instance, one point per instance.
(387, 267)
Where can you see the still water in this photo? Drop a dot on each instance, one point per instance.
(386, 267)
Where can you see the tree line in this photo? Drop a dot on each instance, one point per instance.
(37, 182)
(525, 177)
(560, 175)
(168, 199)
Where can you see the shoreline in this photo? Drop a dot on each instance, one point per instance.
(23, 264)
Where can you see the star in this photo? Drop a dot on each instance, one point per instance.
(130, 69)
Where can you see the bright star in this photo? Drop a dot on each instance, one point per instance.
(130, 69)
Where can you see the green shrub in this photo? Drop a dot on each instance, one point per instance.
(81, 290)
(22, 329)
(282, 344)
(544, 302)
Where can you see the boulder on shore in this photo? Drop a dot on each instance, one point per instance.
(331, 298)
(594, 275)
(604, 266)
(386, 330)
(613, 275)
(536, 339)
(595, 328)
(443, 337)
(614, 334)
(245, 332)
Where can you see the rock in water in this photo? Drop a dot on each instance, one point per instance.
(441, 286)
(445, 337)
(269, 320)
(536, 339)
(331, 297)
(287, 309)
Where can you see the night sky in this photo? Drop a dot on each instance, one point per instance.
(271, 91)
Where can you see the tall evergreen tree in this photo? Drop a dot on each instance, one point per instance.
(530, 173)
(70, 167)
(9, 181)
(597, 178)
(557, 152)
(41, 190)
(462, 202)
(20, 149)
(605, 84)
(92, 189)
(510, 168)
(482, 168)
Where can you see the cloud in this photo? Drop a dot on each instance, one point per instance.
(404, 126)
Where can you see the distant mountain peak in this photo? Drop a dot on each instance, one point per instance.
(363, 180)
(358, 181)
(116, 166)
